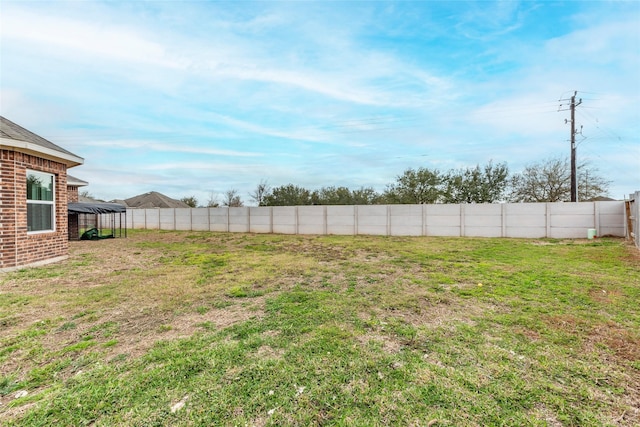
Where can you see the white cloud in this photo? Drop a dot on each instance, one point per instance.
(91, 39)
(167, 147)
(340, 70)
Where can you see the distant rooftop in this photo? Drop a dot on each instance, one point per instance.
(153, 199)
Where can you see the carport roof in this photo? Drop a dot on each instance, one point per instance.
(96, 208)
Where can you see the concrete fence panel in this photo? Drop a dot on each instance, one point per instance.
(443, 220)
(341, 220)
(483, 220)
(200, 219)
(285, 219)
(219, 219)
(239, 220)
(406, 220)
(609, 214)
(152, 219)
(183, 220)
(260, 220)
(311, 220)
(525, 220)
(136, 218)
(570, 220)
(372, 220)
(166, 218)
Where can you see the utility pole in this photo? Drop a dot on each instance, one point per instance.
(572, 107)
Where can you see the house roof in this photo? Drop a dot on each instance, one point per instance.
(17, 137)
(76, 182)
(154, 199)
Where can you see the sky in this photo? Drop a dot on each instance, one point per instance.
(196, 98)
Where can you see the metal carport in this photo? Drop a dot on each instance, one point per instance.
(99, 216)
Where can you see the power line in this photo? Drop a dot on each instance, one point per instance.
(597, 125)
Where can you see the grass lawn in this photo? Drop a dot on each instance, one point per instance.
(204, 329)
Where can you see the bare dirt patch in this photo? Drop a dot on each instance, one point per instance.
(387, 343)
(620, 341)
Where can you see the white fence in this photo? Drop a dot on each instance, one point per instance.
(521, 220)
(632, 225)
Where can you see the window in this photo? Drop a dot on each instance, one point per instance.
(40, 201)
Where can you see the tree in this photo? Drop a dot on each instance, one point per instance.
(288, 195)
(476, 185)
(546, 181)
(261, 191)
(590, 183)
(344, 196)
(365, 196)
(332, 196)
(232, 199)
(550, 181)
(85, 194)
(191, 201)
(213, 201)
(415, 187)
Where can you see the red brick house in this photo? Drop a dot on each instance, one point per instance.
(33, 197)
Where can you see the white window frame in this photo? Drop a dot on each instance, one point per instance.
(51, 203)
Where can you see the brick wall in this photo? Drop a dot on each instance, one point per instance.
(74, 227)
(72, 220)
(7, 210)
(72, 193)
(17, 247)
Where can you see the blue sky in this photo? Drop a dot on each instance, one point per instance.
(200, 97)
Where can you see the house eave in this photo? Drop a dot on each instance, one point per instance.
(69, 159)
(76, 183)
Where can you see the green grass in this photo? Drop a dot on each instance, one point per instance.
(189, 329)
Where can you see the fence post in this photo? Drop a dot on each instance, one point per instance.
(424, 220)
(324, 220)
(596, 217)
(634, 217)
(355, 221)
(462, 214)
(548, 219)
(503, 219)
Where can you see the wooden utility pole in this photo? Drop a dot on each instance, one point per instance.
(572, 107)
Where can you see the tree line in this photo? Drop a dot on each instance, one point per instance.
(545, 181)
